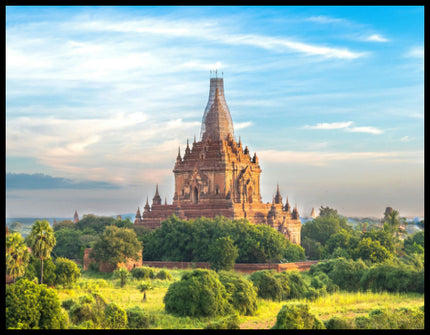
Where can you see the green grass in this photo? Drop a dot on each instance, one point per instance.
(343, 304)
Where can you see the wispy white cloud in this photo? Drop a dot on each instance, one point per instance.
(415, 52)
(242, 125)
(334, 125)
(375, 38)
(369, 130)
(212, 32)
(325, 19)
(406, 139)
(346, 126)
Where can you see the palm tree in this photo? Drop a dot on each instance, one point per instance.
(17, 255)
(41, 241)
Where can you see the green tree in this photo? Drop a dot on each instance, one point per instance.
(51, 314)
(198, 293)
(97, 223)
(327, 211)
(414, 243)
(66, 271)
(32, 306)
(373, 251)
(49, 267)
(242, 293)
(269, 286)
(68, 243)
(297, 316)
(293, 252)
(223, 254)
(143, 287)
(17, 255)
(115, 245)
(136, 318)
(115, 317)
(122, 274)
(41, 240)
(64, 224)
(322, 228)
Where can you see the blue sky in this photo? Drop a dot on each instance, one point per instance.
(98, 99)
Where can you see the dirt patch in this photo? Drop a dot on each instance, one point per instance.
(267, 324)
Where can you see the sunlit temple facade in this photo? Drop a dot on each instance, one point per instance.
(217, 176)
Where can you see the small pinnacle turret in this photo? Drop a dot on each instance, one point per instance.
(157, 199)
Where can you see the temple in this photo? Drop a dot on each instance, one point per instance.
(216, 176)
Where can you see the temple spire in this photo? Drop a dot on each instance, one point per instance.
(278, 197)
(216, 122)
(147, 208)
(287, 206)
(157, 199)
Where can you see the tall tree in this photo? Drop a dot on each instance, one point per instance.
(41, 241)
(115, 245)
(17, 255)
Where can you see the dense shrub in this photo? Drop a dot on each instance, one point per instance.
(164, 275)
(268, 286)
(30, 306)
(66, 272)
(49, 276)
(295, 282)
(51, 314)
(339, 323)
(222, 254)
(187, 241)
(242, 293)
(115, 317)
(122, 274)
(22, 305)
(401, 318)
(198, 293)
(297, 316)
(142, 272)
(67, 304)
(89, 308)
(229, 322)
(393, 278)
(347, 273)
(294, 252)
(136, 318)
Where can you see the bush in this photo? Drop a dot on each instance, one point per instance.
(164, 275)
(230, 322)
(339, 323)
(122, 274)
(66, 272)
(295, 282)
(51, 314)
(297, 316)
(89, 307)
(222, 254)
(115, 317)
(347, 273)
(30, 306)
(198, 293)
(142, 272)
(268, 286)
(136, 318)
(22, 305)
(242, 293)
(393, 278)
(67, 304)
(48, 271)
(402, 318)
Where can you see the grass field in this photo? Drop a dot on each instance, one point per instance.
(342, 304)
